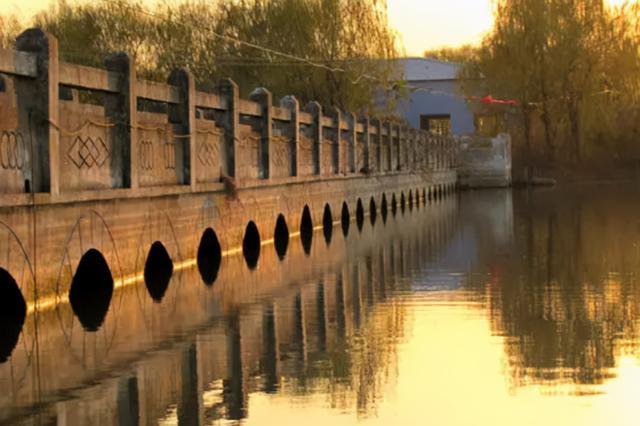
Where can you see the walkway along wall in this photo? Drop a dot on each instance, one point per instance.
(98, 159)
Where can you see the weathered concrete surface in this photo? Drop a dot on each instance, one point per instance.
(485, 162)
(43, 243)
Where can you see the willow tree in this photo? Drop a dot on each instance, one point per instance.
(571, 64)
(333, 51)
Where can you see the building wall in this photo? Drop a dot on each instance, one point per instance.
(449, 102)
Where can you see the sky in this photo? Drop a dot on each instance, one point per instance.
(421, 24)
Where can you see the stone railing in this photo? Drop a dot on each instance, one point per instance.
(71, 131)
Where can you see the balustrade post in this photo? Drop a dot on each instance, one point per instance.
(231, 123)
(186, 122)
(263, 97)
(292, 104)
(336, 151)
(315, 110)
(352, 139)
(123, 111)
(366, 161)
(39, 104)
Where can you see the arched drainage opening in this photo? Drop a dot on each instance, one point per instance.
(372, 211)
(417, 193)
(157, 271)
(402, 202)
(91, 290)
(383, 208)
(281, 237)
(251, 245)
(394, 205)
(327, 224)
(13, 311)
(359, 214)
(345, 220)
(410, 200)
(209, 256)
(306, 230)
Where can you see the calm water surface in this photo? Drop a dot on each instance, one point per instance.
(490, 307)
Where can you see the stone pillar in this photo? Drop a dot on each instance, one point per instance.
(263, 97)
(123, 110)
(315, 110)
(336, 157)
(186, 122)
(292, 104)
(377, 155)
(41, 100)
(398, 146)
(366, 162)
(229, 91)
(387, 129)
(352, 138)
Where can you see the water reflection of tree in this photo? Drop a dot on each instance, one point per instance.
(568, 305)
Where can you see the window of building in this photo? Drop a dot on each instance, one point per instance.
(487, 124)
(438, 123)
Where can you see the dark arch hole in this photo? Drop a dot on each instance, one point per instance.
(306, 230)
(157, 271)
(403, 202)
(359, 214)
(327, 224)
(345, 220)
(281, 237)
(209, 256)
(91, 290)
(410, 200)
(424, 196)
(13, 312)
(251, 245)
(417, 193)
(372, 211)
(384, 208)
(394, 204)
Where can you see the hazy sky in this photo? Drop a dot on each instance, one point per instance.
(422, 24)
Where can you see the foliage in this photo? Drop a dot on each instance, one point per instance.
(574, 65)
(333, 49)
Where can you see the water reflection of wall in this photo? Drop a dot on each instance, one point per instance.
(328, 323)
(567, 298)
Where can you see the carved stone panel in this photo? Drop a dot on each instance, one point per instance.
(208, 141)
(86, 148)
(160, 155)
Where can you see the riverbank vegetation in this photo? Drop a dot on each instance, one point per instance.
(324, 50)
(574, 68)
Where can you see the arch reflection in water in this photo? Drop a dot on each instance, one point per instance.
(158, 270)
(327, 224)
(209, 256)
(359, 215)
(410, 200)
(394, 204)
(281, 237)
(91, 290)
(372, 211)
(306, 230)
(251, 245)
(383, 208)
(402, 202)
(424, 196)
(345, 220)
(13, 311)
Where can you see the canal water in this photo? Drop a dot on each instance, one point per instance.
(487, 307)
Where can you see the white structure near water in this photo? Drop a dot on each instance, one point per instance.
(436, 102)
